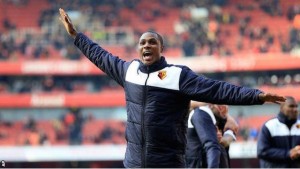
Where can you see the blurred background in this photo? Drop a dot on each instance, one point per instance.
(59, 110)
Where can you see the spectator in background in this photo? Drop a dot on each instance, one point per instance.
(7, 24)
(279, 140)
(271, 7)
(44, 140)
(292, 11)
(48, 84)
(59, 129)
(188, 46)
(74, 121)
(30, 123)
(106, 134)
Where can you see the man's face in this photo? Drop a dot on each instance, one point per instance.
(149, 48)
(289, 108)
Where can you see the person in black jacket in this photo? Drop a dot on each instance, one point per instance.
(279, 139)
(208, 138)
(158, 96)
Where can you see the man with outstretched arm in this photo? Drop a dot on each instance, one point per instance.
(158, 95)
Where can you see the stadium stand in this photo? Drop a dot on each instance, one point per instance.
(252, 43)
(205, 37)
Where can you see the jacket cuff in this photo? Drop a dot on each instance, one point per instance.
(231, 133)
(288, 155)
(77, 38)
(257, 97)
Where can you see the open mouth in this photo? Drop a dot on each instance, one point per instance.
(147, 55)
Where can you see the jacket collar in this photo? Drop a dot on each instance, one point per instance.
(162, 63)
(220, 122)
(283, 119)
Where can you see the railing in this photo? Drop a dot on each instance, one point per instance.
(95, 152)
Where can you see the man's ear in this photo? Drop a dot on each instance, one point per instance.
(162, 49)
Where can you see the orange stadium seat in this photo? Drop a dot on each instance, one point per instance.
(20, 16)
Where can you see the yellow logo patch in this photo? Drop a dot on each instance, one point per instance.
(162, 74)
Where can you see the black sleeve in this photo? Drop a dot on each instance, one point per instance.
(203, 89)
(207, 133)
(109, 64)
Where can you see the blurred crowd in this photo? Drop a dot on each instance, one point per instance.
(272, 80)
(69, 84)
(71, 129)
(92, 84)
(75, 129)
(197, 30)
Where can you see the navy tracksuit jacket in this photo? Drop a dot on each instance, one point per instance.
(157, 102)
(203, 149)
(277, 137)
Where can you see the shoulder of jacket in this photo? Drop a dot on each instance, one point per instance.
(195, 114)
(135, 61)
(183, 67)
(271, 122)
(205, 111)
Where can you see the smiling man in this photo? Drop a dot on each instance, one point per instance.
(158, 96)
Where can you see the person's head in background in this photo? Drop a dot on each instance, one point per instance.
(290, 108)
(195, 104)
(221, 113)
(219, 110)
(150, 47)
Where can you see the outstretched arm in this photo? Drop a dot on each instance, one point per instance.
(203, 89)
(111, 65)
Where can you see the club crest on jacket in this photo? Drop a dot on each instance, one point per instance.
(162, 74)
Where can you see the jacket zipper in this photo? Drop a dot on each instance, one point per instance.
(290, 138)
(143, 127)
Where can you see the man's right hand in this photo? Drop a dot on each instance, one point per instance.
(295, 153)
(269, 97)
(65, 19)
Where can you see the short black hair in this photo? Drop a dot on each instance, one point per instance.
(160, 38)
(288, 99)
